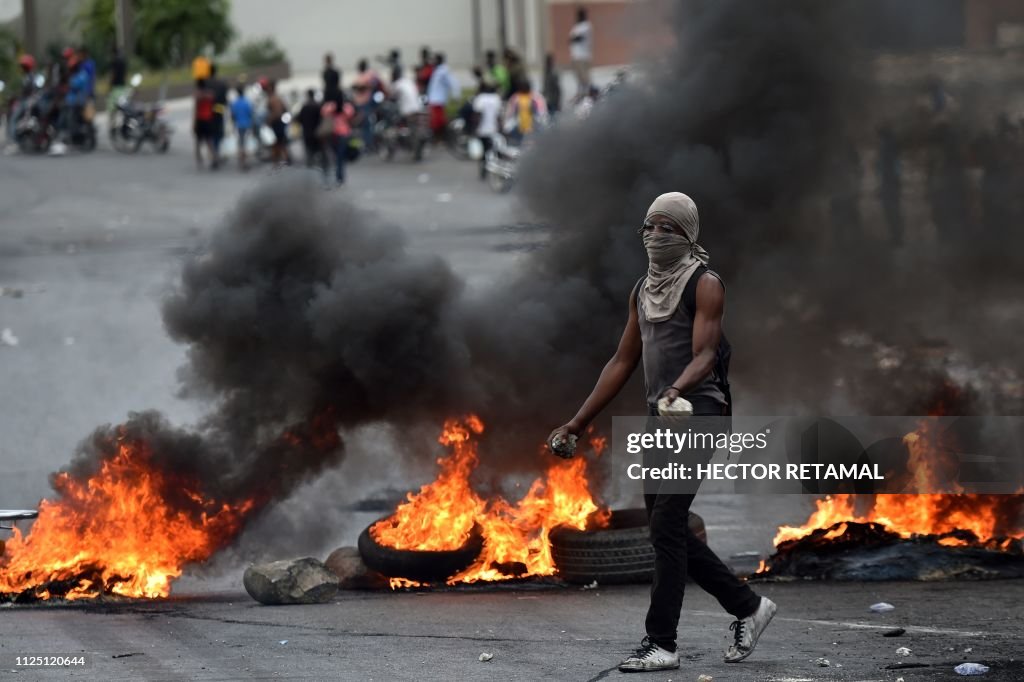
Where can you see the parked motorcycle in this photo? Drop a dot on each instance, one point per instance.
(133, 124)
(394, 132)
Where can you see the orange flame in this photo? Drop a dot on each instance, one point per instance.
(443, 513)
(115, 533)
(991, 518)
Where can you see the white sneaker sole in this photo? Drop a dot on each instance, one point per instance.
(771, 615)
(649, 670)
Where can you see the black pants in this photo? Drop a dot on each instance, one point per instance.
(488, 143)
(678, 552)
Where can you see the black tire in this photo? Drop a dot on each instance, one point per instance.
(423, 567)
(621, 553)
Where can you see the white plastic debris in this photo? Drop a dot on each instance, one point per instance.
(484, 657)
(903, 651)
(900, 679)
(7, 338)
(283, 641)
(881, 607)
(704, 678)
(971, 669)
(823, 662)
(591, 586)
(968, 649)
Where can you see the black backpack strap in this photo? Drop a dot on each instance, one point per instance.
(690, 290)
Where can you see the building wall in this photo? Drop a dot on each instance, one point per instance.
(623, 30)
(985, 18)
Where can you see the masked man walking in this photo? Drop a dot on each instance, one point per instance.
(675, 328)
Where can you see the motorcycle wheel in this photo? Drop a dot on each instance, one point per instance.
(499, 183)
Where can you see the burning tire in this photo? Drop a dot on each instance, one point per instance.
(423, 567)
(619, 553)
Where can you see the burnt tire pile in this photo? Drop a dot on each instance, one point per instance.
(621, 553)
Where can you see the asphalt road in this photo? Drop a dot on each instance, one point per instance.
(89, 244)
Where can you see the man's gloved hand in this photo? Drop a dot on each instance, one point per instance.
(562, 441)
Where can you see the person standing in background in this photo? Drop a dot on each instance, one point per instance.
(202, 122)
(241, 117)
(200, 69)
(581, 51)
(366, 86)
(276, 110)
(340, 113)
(440, 90)
(487, 106)
(497, 72)
(309, 121)
(220, 107)
(332, 78)
(118, 84)
(552, 85)
(424, 70)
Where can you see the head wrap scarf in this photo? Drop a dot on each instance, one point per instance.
(672, 258)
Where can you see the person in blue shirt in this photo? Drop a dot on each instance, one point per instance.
(241, 117)
(89, 67)
(71, 110)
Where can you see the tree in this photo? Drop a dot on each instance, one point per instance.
(168, 32)
(172, 32)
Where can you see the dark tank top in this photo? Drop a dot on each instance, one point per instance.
(668, 349)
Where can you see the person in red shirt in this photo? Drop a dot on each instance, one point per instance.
(340, 113)
(202, 122)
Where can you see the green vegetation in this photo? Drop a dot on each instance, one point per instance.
(261, 52)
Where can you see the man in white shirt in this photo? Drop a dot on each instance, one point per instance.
(488, 106)
(406, 94)
(581, 50)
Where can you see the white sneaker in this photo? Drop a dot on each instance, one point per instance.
(650, 657)
(746, 632)
(58, 149)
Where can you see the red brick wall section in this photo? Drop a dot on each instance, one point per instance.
(984, 16)
(622, 31)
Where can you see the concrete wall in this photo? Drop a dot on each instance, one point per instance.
(352, 29)
(623, 30)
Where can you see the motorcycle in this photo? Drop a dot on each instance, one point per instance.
(501, 164)
(394, 132)
(132, 125)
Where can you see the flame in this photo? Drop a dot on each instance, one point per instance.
(992, 519)
(442, 514)
(116, 533)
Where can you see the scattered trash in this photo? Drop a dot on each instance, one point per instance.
(134, 653)
(895, 632)
(971, 669)
(444, 197)
(903, 651)
(823, 662)
(7, 338)
(423, 178)
(900, 679)
(881, 607)
(968, 649)
(283, 641)
(704, 678)
(484, 657)
(591, 586)
(12, 292)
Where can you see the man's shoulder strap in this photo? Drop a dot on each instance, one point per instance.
(690, 291)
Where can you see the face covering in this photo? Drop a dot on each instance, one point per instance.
(672, 258)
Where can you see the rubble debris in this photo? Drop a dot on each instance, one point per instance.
(881, 607)
(353, 574)
(283, 642)
(971, 669)
(903, 651)
(294, 581)
(564, 447)
(968, 649)
(484, 657)
(895, 632)
(823, 662)
(7, 338)
(590, 586)
(704, 678)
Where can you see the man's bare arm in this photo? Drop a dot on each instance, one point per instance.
(613, 377)
(707, 332)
